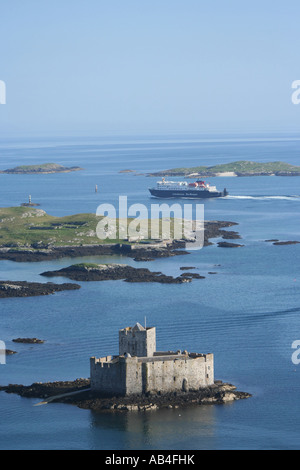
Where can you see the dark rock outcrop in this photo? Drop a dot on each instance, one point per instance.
(277, 242)
(230, 235)
(112, 272)
(32, 289)
(286, 243)
(28, 341)
(229, 245)
(45, 390)
(9, 352)
(192, 276)
(219, 393)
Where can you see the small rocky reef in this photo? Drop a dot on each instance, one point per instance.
(8, 352)
(283, 243)
(229, 245)
(28, 341)
(109, 272)
(32, 289)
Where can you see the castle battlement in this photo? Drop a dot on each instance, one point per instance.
(139, 369)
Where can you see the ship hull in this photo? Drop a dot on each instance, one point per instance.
(168, 194)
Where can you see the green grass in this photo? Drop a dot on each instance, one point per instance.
(22, 226)
(41, 168)
(238, 167)
(33, 228)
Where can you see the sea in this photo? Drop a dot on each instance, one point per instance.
(247, 314)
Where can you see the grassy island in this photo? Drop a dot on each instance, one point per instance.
(21, 227)
(45, 168)
(239, 168)
(29, 234)
(33, 228)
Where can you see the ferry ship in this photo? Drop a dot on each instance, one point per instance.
(183, 189)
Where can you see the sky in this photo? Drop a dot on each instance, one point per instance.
(134, 66)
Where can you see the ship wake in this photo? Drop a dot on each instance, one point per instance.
(266, 198)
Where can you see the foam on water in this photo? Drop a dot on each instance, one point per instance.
(265, 198)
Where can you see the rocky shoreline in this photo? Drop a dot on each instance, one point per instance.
(143, 251)
(83, 397)
(112, 272)
(32, 289)
(140, 251)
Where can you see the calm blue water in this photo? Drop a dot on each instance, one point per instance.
(248, 314)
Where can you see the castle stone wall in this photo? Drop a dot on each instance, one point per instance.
(180, 374)
(140, 369)
(137, 341)
(134, 376)
(108, 377)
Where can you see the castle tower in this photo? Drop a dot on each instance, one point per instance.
(137, 341)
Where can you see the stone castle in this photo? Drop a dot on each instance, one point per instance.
(140, 369)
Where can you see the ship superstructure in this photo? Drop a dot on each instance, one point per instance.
(183, 189)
